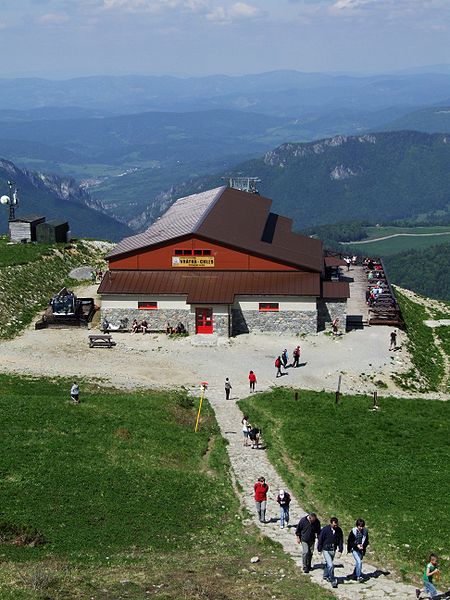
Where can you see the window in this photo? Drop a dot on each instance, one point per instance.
(188, 252)
(147, 305)
(269, 306)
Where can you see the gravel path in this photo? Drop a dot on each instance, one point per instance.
(248, 465)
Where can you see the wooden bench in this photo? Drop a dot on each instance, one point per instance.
(101, 341)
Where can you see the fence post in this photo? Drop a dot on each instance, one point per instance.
(338, 391)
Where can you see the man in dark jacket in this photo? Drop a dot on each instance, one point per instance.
(330, 539)
(308, 529)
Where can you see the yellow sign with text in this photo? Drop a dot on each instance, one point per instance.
(192, 261)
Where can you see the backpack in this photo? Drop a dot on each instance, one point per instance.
(277, 362)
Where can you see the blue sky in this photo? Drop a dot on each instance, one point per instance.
(67, 38)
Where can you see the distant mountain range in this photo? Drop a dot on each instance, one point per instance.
(57, 198)
(379, 177)
(279, 93)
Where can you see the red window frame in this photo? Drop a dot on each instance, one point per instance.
(269, 306)
(147, 305)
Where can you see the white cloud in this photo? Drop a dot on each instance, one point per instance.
(389, 8)
(53, 19)
(155, 6)
(238, 10)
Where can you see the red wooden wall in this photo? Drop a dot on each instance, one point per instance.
(225, 259)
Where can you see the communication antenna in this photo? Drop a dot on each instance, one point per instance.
(245, 184)
(12, 200)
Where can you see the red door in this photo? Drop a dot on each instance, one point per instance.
(203, 320)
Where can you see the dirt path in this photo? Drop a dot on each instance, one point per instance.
(250, 464)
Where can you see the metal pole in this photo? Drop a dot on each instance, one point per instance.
(200, 407)
(338, 391)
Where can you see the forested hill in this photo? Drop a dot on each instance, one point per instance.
(380, 177)
(57, 198)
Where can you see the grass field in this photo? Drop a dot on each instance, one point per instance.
(389, 467)
(377, 232)
(399, 244)
(118, 498)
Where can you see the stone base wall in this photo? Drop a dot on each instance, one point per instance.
(221, 324)
(157, 319)
(291, 322)
(327, 311)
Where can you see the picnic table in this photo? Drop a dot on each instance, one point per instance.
(101, 341)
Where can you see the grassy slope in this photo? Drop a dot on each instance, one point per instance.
(428, 361)
(31, 273)
(389, 467)
(130, 501)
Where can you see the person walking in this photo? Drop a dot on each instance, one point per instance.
(330, 539)
(296, 355)
(393, 338)
(284, 358)
(75, 393)
(431, 570)
(278, 366)
(252, 381)
(245, 429)
(228, 388)
(308, 529)
(357, 542)
(261, 488)
(284, 499)
(335, 326)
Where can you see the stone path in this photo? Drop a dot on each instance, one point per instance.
(248, 465)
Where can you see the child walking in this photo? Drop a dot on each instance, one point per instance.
(431, 570)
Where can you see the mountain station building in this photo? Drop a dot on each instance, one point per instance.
(221, 262)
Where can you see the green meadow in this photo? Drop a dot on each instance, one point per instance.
(377, 232)
(400, 243)
(389, 467)
(118, 498)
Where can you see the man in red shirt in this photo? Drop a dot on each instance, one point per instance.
(261, 488)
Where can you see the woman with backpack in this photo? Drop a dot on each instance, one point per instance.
(278, 366)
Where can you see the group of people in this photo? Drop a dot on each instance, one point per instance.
(252, 435)
(97, 276)
(329, 538)
(350, 261)
(139, 326)
(179, 329)
(282, 360)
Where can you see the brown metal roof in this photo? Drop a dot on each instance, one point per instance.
(338, 290)
(182, 218)
(205, 287)
(235, 218)
(333, 261)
